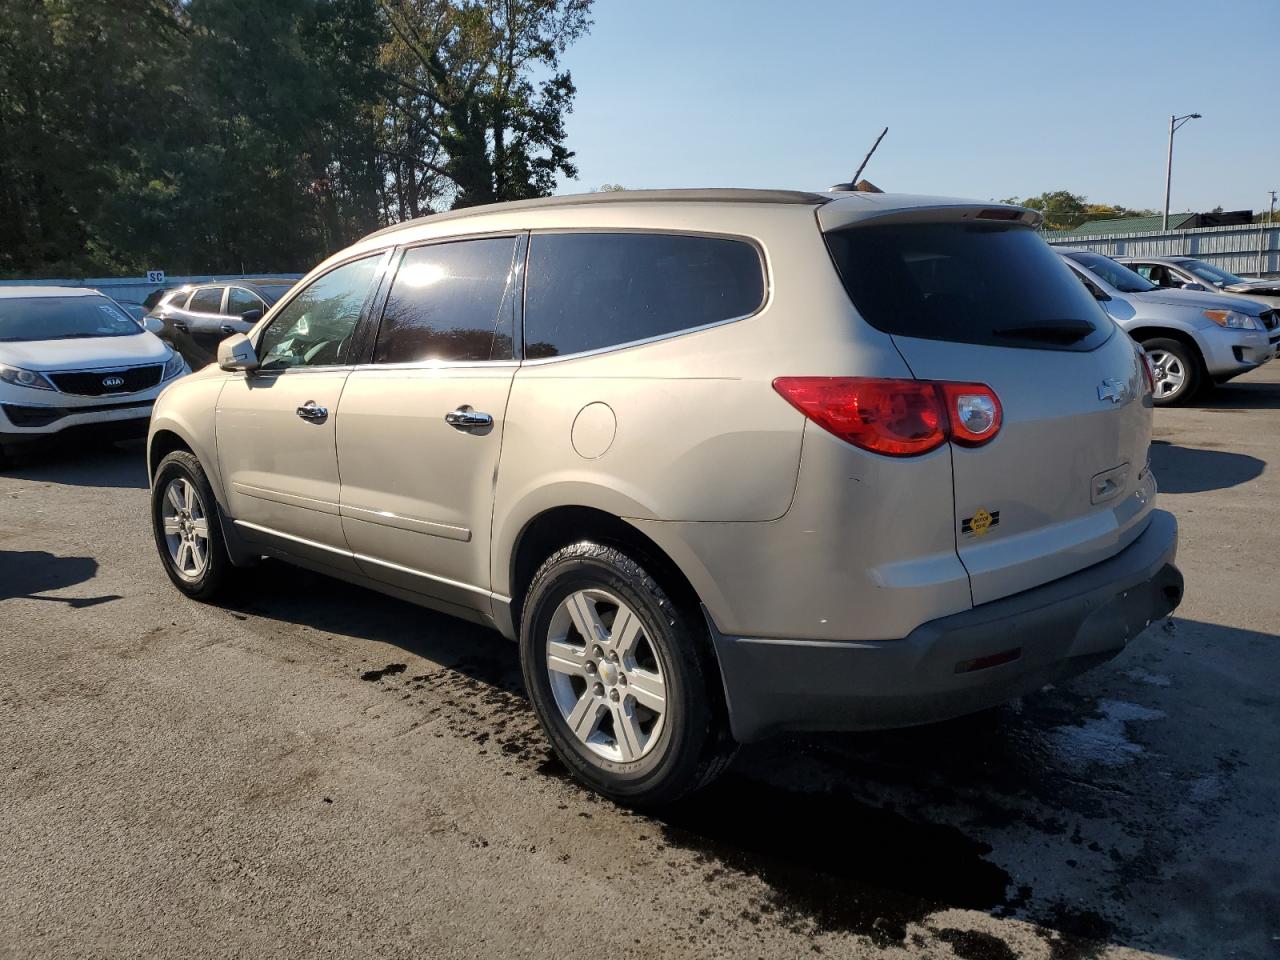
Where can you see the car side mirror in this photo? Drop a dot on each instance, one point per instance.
(252, 316)
(1193, 286)
(237, 353)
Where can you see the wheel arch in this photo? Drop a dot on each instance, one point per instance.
(562, 525)
(1155, 331)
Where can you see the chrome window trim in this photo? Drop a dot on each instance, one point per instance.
(765, 301)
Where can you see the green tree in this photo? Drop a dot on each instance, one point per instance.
(482, 98)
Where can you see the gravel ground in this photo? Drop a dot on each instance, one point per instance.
(318, 771)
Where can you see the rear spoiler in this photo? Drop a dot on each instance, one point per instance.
(856, 209)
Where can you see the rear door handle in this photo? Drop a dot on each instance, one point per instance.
(309, 411)
(465, 418)
(179, 325)
(228, 329)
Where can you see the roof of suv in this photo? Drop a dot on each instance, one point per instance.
(47, 291)
(854, 205)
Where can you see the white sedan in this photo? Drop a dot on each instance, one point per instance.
(73, 358)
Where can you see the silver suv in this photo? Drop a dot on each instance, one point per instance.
(724, 462)
(1193, 339)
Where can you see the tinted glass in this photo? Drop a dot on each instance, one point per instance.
(968, 283)
(274, 291)
(63, 318)
(449, 302)
(1116, 274)
(239, 300)
(587, 291)
(315, 328)
(206, 300)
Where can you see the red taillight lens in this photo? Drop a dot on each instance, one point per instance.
(1148, 371)
(899, 418)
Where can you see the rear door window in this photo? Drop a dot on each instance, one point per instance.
(997, 285)
(593, 291)
(450, 302)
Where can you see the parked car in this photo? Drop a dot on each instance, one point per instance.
(725, 462)
(194, 319)
(1194, 339)
(1188, 273)
(71, 358)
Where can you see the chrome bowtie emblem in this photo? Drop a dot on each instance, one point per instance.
(1111, 389)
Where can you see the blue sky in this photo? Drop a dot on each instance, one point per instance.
(982, 99)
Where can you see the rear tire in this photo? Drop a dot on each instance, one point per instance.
(187, 526)
(1177, 367)
(632, 711)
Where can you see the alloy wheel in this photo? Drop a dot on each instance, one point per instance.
(1170, 376)
(186, 528)
(606, 675)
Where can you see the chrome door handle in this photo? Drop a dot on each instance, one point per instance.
(309, 411)
(464, 418)
(228, 329)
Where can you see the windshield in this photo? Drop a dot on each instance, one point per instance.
(63, 318)
(1116, 274)
(997, 285)
(1219, 278)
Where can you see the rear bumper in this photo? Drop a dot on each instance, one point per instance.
(956, 664)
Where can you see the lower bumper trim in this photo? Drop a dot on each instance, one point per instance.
(1056, 630)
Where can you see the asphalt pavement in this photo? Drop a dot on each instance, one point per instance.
(317, 771)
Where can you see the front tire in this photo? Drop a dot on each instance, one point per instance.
(621, 678)
(187, 526)
(1177, 368)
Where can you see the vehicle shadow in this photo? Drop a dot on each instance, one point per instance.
(1181, 469)
(1241, 396)
(81, 464)
(30, 574)
(1050, 810)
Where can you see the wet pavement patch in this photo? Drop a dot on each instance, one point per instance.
(976, 945)
(833, 860)
(388, 670)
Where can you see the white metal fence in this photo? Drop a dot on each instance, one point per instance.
(137, 289)
(1235, 248)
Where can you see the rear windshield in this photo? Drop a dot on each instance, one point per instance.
(63, 318)
(998, 285)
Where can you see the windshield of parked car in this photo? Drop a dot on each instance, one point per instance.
(1116, 274)
(1219, 278)
(999, 285)
(63, 318)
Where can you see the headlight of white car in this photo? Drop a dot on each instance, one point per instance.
(1232, 320)
(25, 378)
(174, 366)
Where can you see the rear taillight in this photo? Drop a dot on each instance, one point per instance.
(899, 418)
(1148, 371)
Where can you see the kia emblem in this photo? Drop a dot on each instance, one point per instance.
(110, 382)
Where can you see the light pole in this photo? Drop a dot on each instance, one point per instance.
(1271, 222)
(1174, 124)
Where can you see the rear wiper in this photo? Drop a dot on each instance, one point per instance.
(1049, 332)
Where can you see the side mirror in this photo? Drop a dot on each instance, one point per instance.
(252, 316)
(1193, 286)
(237, 353)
